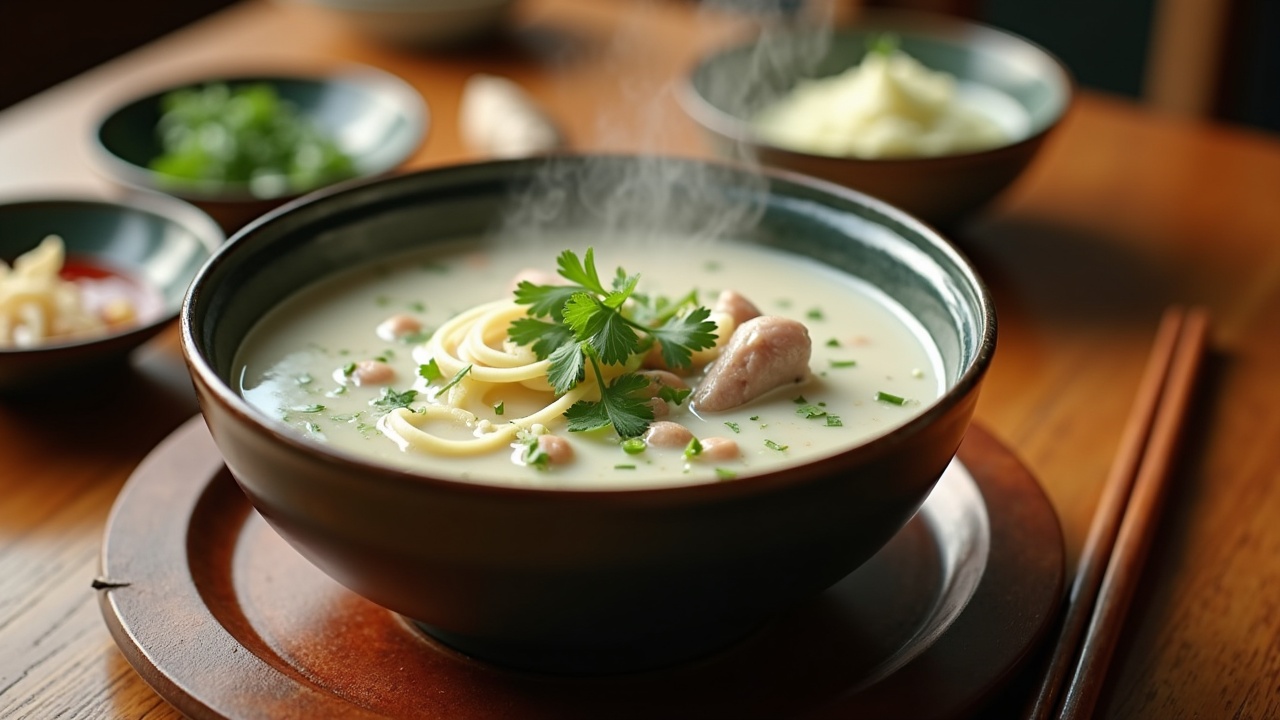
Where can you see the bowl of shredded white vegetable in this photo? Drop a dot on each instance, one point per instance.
(84, 281)
(933, 114)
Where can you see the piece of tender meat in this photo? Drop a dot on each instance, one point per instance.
(736, 306)
(765, 353)
(667, 434)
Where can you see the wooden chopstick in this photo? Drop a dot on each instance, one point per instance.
(1119, 535)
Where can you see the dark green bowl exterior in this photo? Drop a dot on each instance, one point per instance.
(160, 241)
(729, 87)
(126, 141)
(584, 581)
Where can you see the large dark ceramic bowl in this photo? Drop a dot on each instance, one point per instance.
(374, 117)
(155, 244)
(730, 87)
(582, 580)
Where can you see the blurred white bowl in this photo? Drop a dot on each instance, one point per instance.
(419, 23)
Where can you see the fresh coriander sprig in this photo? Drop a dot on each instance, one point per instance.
(584, 320)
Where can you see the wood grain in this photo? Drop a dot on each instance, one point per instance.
(1125, 212)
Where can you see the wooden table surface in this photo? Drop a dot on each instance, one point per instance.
(1123, 213)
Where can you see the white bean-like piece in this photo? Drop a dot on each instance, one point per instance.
(398, 326)
(557, 449)
(667, 434)
(372, 372)
(719, 448)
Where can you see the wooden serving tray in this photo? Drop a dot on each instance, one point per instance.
(226, 620)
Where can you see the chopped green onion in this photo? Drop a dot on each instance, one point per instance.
(834, 421)
(844, 363)
(624, 467)
(833, 343)
(348, 369)
(753, 418)
(810, 411)
(457, 378)
(633, 446)
(799, 400)
(308, 409)
(693, 449)
(733, 426)
(725, 474)
(774, 446)
(499, 409)
(890, 398)
(815, 314)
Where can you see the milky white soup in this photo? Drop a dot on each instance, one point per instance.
(872, 365)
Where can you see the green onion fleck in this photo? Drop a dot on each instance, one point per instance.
(633, 446)
(810, 411)
(815, 314)
(834, 421)
(833, 343)
(624, 467)
(457, 378)
(753, 418)
(725, 474)
(733, 426)
(799, 400)
(693, 449)
(890, 398)
(499, 408)
(774, 446)
(844, 363)
(308, 409)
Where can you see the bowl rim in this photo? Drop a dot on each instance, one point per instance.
(920, 22)
(408, 100)
(222, 394)
(172, 210)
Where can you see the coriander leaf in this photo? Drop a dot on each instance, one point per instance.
(545, 300)
(680, 336)
(622, 404)
(575, 271)
(675, 396)
(567, 367)
(585, 314)
(810, 411)
(430, 371)
(621, 292)
(542, 337)
(601, 327)
(390, 399)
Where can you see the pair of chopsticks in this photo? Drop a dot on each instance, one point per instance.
(1120, 534)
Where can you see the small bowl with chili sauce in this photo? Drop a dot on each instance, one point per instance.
(85, 281)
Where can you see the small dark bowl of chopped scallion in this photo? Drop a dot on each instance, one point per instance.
(238, 146)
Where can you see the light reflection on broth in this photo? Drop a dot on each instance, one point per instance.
(295, 364)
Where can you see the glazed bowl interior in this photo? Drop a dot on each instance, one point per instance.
(585, 580)
(374, 118)
(155, 244)
(728, 89)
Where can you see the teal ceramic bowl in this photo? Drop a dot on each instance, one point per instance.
(728, 89)
(585, 581)
(149, 247)
(374, 118)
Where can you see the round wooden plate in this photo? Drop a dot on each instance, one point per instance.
(225, 620)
